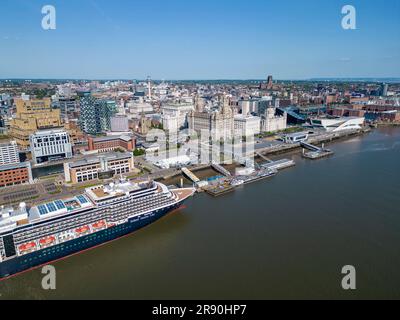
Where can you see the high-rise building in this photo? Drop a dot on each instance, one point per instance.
(95, 114)
(68, 107)
(384, 89)
(9, 153)
(50, 145)
(33, 115)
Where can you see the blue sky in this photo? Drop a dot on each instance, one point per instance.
(199, 39)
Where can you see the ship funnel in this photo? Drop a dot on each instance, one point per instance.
(22, 206)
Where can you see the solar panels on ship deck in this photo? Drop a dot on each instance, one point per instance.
(82, 199)
(51, 207)
(59, 204)
(42, 209)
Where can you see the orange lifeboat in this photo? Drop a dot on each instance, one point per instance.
(47, 241)
(83, 229)
(27, 246)
(99, 225)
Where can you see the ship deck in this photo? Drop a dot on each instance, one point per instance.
(182, 194)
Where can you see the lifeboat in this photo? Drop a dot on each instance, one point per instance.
(27, 247)
(99, 225)
(83, 229)
(47, 241)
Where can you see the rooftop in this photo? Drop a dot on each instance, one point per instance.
(96, 159)
(14, 166)
(110, 138)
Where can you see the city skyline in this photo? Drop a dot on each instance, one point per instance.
(176, 40)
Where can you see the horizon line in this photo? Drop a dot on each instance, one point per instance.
(203, 79)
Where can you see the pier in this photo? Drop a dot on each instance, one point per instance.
(315, 152)
(279, 164)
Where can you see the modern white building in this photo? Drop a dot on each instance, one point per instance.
(50, 145)
(247, 125)
(172, 162)
(338, 124)
(9, 153)
(296, 137)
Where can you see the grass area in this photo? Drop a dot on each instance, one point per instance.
(52, 176)
(286, 131)
(139, 152)
(86, 186)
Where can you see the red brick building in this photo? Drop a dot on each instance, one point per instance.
(107, 144)
(13, 174)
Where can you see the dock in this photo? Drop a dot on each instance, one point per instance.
(279, 164)
(314, 155)
(219, 190)
(315, 152)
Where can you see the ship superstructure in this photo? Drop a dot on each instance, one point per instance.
(51, 230)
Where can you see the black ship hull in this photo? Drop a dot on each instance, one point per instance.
(42, 257)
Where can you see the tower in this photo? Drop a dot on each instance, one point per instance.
(199, 103)
(149, 86)
(269, 82)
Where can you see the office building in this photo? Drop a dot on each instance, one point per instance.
(9, 153)
(68, 107)
(95, 116)
(32, 115)
(50, 145)
(384, 89)
(272, 122)
(15, 173)
(99, 167)
(175, 116)
(111, 143)
(247, 126)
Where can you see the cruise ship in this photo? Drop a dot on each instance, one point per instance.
(35, 236)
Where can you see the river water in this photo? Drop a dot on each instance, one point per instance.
(283, 238)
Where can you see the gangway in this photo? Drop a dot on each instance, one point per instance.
(263, 157)
(310, 146)
(190, 175)
(221, 169)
